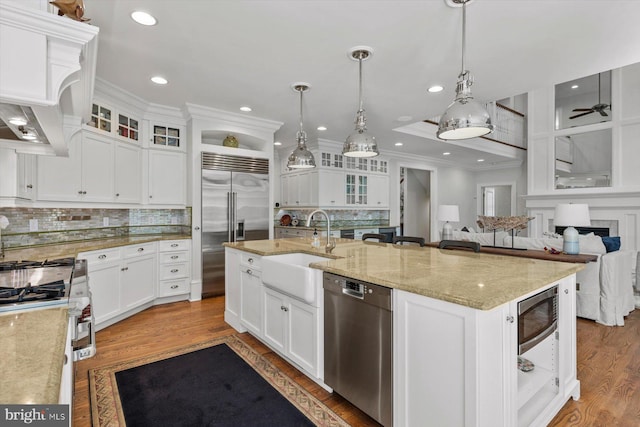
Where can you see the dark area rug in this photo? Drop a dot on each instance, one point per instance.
(219, 383)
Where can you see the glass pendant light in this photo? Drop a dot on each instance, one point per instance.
(360, 143)
(465, 118)
(301, 157)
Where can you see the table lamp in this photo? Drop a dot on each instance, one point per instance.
(570, 215)
(448, 213)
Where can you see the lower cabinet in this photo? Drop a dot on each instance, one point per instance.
(251, 298)
(291, 327)
(128, 279)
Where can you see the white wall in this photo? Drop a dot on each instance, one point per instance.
(457, 186)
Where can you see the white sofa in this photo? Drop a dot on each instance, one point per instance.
(605, 288)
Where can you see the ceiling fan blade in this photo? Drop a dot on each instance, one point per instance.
(582, 109)
(580, 115)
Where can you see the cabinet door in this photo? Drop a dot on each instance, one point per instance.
(128, 173)
(307, 189)
(274, 320)
(97, 168)
(284, 190)
(232, 288)
(251, 299)
(331, 189)
(138, 281)
(26, 176)
(104, 281)
(378, 189)
(302, 345)
(167, 177)
(293, 186)
(59, 178)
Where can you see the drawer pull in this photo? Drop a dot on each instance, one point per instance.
(249, 272)
(174, 257)
(174, 245)
(175, 270)
(103, 256)
(250, 260)
(174, 286)
(140, 249)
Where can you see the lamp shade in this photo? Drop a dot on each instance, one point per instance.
(571, 215)
(448, 213)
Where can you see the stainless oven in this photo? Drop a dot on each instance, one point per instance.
(537, 318)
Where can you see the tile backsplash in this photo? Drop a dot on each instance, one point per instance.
(340, 217)
(40, 226)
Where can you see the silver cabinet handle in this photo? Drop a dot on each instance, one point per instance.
(174, 286)
(196, 228)
(175, 270)
(283, 308)
(249, 272)
(29, 186)
(174, 245)
(510, 319)
(140, 249)
(124, 268)
(150, 196)
(103, 256)
(566, 291)
(250, 260)
(80, 192)
(174, 257)
(117, 194)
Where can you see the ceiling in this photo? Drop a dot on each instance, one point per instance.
(229, 53)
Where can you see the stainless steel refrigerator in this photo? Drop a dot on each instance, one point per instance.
(235, 207)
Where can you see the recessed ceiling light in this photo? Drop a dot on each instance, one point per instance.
(159, 80)
(435, 89)
(446, 153)
(575, 87)
(277, 143)
(398, 144)
(29, 136)
(18, 121)
(404, 118)
(480, 160)
(143, 18)
(245, 109)
(322, 128)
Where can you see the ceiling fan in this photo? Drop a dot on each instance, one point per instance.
(599, 107)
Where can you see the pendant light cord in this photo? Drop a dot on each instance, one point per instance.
(301, 134)
(464, 35)
(360, 77)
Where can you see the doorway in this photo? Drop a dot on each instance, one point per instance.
(415, 202)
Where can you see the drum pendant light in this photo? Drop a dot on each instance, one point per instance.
(360, 143)
(301, 157)
(465, 118)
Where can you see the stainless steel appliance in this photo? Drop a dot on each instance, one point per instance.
(537, 318)
(358, 341)
(28, 285)
(235, 207)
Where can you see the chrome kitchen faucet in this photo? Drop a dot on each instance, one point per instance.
(330, 244)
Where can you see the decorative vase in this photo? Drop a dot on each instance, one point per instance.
(230, 141)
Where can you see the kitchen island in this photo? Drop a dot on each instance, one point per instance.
(455, 328)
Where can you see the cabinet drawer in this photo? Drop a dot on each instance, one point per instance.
(139, 250)
(174, 271)
(171, 257)
(174, 245)
(100, 257)
(174, 287)
(250, 260)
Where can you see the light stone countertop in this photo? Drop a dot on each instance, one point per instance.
(32, 352)
(72, 249)
(477, 280)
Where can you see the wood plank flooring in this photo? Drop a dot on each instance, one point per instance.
(608, 362)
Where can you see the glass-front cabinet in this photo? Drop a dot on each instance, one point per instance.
(166, 136)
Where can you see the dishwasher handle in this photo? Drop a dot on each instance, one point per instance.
(352, 293)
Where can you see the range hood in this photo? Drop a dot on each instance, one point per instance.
(47, 74)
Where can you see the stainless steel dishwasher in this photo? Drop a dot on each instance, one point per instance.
(358, 340)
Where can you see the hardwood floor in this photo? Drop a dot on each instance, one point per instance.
(608, 362)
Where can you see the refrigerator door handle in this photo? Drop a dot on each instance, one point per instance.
(230, 224)
(234, 224)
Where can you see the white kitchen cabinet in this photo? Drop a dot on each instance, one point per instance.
(331, 188)
(26, 176)
(138, 278)
(251, 291)
(291, 327)
(65, 397)
(232, 296)
(458, 366)
(300, 189)
(378, 191)
(122, 281)
(174, 264)
(167, 178)
(128, 173)
(356, 189)
(86, 175)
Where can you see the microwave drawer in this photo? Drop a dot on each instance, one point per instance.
(174, 271)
